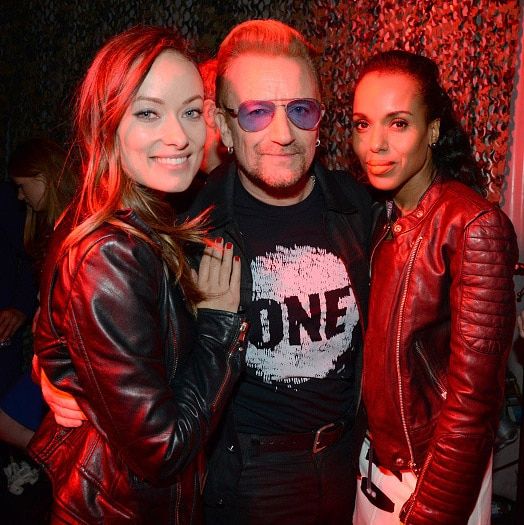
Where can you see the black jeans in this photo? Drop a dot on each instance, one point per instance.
(253, 487)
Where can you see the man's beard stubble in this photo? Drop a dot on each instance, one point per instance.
(280, 188)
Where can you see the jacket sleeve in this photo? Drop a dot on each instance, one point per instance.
(107, 310)
(483, 318)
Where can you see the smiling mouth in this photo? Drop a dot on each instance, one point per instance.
(172, 161)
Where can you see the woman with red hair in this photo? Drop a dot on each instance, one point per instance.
(149, 350)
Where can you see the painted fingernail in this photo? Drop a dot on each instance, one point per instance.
(219, 240)
(229, 245)
(237, 258)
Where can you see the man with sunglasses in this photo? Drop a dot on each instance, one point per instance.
(284, 451)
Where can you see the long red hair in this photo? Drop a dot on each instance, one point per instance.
(111, 82)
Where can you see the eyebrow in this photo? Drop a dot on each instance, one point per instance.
(393, 114)
(161, 101)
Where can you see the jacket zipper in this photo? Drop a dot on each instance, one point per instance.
(177, 501)
(438, 384)
(417, 489)
(54, 442)
(411, 261)
(239, 338)
(382, 237)
(174, 363)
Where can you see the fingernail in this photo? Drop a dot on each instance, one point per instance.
(237, 258)
(229, 245)
(219, 240)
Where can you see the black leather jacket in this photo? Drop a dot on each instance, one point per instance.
(347, 224)
(152, 380)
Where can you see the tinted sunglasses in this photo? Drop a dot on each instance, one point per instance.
(256, 115)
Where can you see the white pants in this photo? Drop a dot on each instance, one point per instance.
(399, 492)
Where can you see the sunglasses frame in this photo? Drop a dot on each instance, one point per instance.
(235, 113)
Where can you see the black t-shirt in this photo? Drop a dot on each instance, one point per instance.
(304, 320)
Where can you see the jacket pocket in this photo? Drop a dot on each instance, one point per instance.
(83, 472)
(431, 371)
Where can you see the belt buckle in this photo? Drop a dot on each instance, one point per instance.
(317, 447)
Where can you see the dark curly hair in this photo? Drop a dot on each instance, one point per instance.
(452, 154)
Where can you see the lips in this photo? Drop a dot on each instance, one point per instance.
(379, 168)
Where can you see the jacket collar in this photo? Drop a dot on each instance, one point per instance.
(428, 200)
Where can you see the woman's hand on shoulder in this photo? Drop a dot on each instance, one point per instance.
(219, 277)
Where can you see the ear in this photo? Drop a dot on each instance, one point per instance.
(434, 131)
(225, 131)
(209, 113)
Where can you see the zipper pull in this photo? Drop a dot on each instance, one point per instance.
(243, 331)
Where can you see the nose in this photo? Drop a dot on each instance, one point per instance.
(174, 134)
(20, 194)
(378, 139)
(281, 131)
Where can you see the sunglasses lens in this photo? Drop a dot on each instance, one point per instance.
(255, 115)
(304, 113)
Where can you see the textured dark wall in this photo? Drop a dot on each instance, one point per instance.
(473, 41)
(46, 46)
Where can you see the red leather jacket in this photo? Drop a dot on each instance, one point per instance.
(442, 315)
(152, 380)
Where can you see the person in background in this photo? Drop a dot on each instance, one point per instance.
(149, 349)
(17, 287)
(46, 183)
(442, 305)
(215, 153)
(18, 301)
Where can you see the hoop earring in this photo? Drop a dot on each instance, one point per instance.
(317, 143)
(230, 150)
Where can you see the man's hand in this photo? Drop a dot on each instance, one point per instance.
(219, 277)
(65, 409)
(11, 320)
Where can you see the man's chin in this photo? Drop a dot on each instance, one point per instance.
(281, 184)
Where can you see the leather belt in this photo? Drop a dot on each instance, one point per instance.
(315, 441)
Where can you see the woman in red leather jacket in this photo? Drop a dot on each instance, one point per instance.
(442, 309)
(149, 351)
